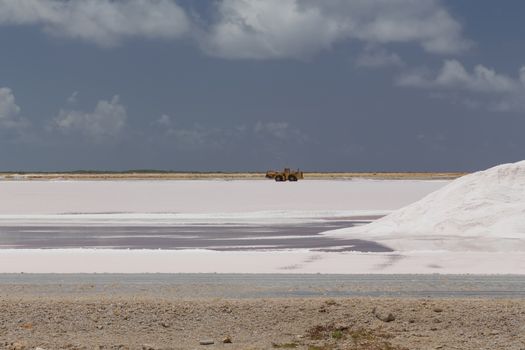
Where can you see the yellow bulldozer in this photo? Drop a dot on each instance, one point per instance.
(286, 175)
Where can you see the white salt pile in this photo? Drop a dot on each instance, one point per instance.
(483, 211)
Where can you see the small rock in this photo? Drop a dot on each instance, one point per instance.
(383, 316)
(206, 342)
(411, 321)
(438, 309)
(165, 324)
(148, 347)
(227, 340)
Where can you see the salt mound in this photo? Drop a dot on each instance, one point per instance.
(483, 211)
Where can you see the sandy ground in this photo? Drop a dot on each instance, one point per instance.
(115, 322)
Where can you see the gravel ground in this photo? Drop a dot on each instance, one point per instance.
(130, 322)
(312, 312)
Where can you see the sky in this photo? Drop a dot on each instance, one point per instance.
(250, 85)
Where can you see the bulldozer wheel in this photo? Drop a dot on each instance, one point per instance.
(292, 178)
(279, 178)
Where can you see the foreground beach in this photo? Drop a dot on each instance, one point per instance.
(116, 322)
(156, 311)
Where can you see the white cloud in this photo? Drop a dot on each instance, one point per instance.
(493, 90)
(10, 111)
(261, 29)
(107, 120)
(269, 29)
(104, 22)
(253, 29)
(376, 57)
(454, 75)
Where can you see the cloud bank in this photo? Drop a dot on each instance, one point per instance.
(247, 29)
(260, 29)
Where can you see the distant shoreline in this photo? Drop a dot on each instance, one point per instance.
(224, 175)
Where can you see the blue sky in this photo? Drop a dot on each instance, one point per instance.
(236, 85)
